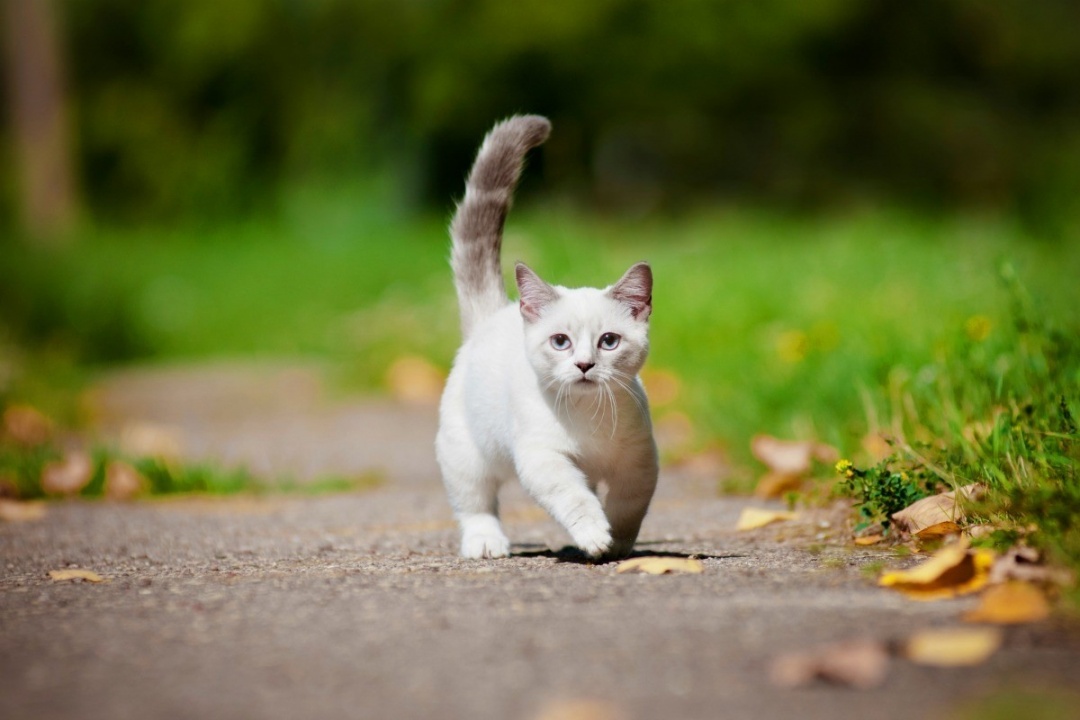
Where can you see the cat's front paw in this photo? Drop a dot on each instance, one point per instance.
(485, 544)
(620, 548)
(592, 539)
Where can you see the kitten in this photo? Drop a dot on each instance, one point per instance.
(546, 389)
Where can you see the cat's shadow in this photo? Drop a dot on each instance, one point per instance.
(571, 554)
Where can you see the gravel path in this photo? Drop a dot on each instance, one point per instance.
(356, 606)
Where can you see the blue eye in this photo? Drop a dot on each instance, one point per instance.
(609, 341)
(560, 342)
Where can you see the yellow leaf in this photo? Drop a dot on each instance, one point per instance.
(869, 539)
(145, 439)
(953, 647)
(663, 386)
(76, 574)
(655, 565)
(953, 570)
(414, 380)
(15, 511)
(580, 709)
(775, 484)
(753, 518)
(1012, 602)
(938, 530)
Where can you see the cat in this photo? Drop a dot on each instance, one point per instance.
(546, 389)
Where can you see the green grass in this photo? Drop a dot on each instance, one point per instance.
(798, 326)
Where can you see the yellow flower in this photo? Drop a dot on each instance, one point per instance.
(845, 468)
(978, 327)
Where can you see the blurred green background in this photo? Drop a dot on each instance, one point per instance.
(824, 187)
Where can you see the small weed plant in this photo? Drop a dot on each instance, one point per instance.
(997, 407)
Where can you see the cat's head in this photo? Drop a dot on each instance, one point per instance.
(580, 339)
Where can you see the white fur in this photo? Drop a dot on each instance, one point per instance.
(514, 406)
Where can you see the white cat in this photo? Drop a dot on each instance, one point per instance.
(546, 389)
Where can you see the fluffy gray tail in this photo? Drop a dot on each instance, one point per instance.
(477, 226)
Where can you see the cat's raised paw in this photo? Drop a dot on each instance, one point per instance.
(594, 541)
(485, 544)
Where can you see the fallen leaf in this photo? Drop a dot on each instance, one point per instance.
(935, 509)
(1010, 603)
(657, 565)
(27, 425)
(953, 647)
(861, 664)
(877, 447)
(938, 530)
(953, 570)
(789, 457)
(580, 709)
(775, 484)
(76, 574)
(69, 475)
(753, 518)
(1022, 563)
(15, 511)
(152, 440)
(869, 539)
(122, 481)
(415, 380)
(662, 386)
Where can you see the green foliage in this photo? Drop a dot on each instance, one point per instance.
(204, 107)
(997, 408)
(880, 491)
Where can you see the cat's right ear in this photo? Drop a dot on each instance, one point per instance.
(535, 293)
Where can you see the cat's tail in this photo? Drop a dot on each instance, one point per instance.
(477, 226)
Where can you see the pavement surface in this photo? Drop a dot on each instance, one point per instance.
(356, 606)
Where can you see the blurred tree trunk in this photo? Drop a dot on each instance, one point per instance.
(37, 109)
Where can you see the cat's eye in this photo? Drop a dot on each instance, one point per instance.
(609, 341)
(560, 342)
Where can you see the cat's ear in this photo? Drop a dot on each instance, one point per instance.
(634, 290)
(535, 293)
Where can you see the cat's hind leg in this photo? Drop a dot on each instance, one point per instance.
(473, 492)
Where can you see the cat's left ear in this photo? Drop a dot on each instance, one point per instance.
(535, 293)
(634, 290)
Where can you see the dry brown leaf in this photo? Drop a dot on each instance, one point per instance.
(953, 647)
(789, 457)
(15, 511)
(415, 380)
(775, 484)
(753, 518)
(953, 570)
(1010, 603)
(861, 664)
(27, 425)
(658, 565)
(152, 440)
(1022, 563)
(869, 539)
(76, 574)
(935, 509)
(67, 476)
(122, 481)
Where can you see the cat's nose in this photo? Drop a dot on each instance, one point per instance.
(585, 367)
